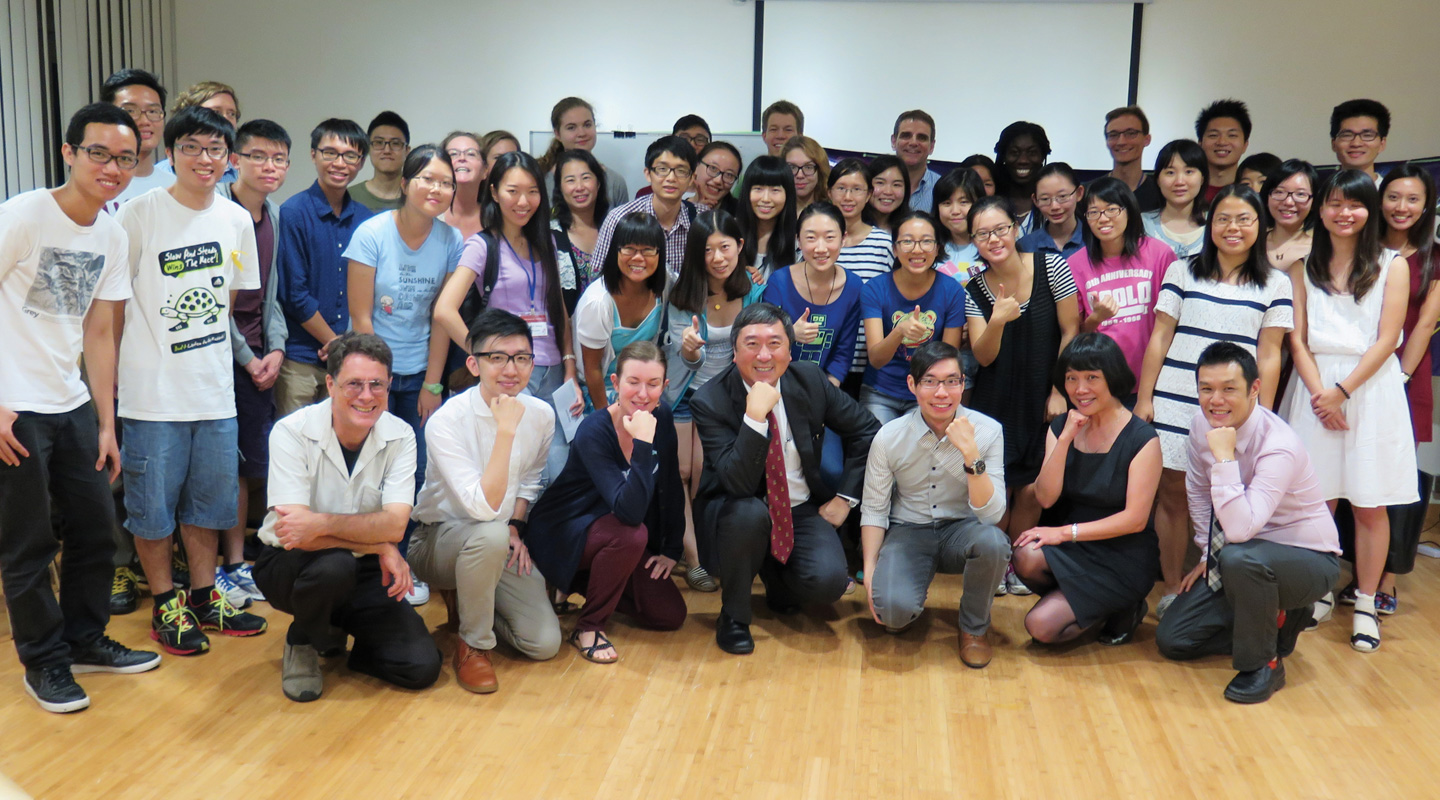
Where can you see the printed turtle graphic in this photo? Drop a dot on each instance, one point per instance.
(193, 304)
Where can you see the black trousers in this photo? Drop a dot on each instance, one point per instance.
(59, 472)
(814, 574)
(332, 593)
(1258, 580)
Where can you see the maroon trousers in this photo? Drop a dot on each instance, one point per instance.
(613, 572)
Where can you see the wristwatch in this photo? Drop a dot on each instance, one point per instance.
(977, 469)
(436, 389)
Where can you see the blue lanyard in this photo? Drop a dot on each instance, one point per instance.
(532, 276)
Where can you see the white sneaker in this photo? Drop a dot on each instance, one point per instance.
(245, 580)
(1014, 585)
(237, 596)
(419, 593)
(1321, 611)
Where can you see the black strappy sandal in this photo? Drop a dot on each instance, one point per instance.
(1364, 642)
(588, 653)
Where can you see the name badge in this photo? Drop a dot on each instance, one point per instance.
(539, 324)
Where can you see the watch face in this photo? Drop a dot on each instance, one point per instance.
(979, 468)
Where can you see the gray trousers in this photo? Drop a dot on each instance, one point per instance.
(470, 557)
(1258, 580)
(912, 554)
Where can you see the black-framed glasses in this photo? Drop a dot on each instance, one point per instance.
(935, 383)
(1109, 212)
(695, 140)
(998, 232)
(381, 143)
(662, 171)
(729, 176)
(1128, 133)
(351, 157)
(353, 389)
(193, 150)
(499, 359)
(153, 113)
(1056, 199)
(1367, 136)
(910, 245)
(630, 251)
(100, 155)
(258, 158)
(808, 170)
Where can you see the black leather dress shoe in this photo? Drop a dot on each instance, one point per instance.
(733, 637)
(1257, 685)
(1295, 621)
(1120, 628)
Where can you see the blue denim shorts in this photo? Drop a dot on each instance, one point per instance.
(184, 469)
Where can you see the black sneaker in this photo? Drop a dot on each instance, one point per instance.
(108, 655)
(216, 613)
(55, 689)
(174, 626)
(124, 592)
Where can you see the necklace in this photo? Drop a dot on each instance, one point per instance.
(829, 290)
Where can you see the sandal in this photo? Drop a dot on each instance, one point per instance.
(1387, 604)
(1362, 639)
(701, 581)
(588, 653)
(561, 603)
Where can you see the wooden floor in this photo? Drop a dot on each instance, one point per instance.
(828, 707)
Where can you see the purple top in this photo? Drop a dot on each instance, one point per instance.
(250, 303)
(1268, 492)
(519, 289)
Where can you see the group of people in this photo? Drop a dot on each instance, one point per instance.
(503, 379)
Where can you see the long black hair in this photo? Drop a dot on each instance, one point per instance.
(853, 166)
(1105, 191)
(1421, 235)
(769, 170)
(536, 231)
(879, 164)
(1205, 266)
(692, 287)
(1350, 184)
(562, 212)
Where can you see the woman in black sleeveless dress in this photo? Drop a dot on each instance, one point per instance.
(1101, 470)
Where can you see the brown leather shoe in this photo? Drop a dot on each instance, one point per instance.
(473, 669)
(975, 651)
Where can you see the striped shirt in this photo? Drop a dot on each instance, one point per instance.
(674, 237)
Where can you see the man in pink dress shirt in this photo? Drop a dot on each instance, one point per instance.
(1268, 541)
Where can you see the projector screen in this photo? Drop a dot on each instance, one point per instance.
(852, 67)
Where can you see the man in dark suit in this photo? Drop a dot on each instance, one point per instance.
(762, 507)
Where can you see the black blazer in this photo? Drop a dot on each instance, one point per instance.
(735, 453)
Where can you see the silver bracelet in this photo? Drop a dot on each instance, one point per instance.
(1074, 531)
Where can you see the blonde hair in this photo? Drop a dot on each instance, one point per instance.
(201, 93)
(821, 158)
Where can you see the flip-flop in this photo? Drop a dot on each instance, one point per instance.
(588, 653)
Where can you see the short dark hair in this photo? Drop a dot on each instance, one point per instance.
(928, 355)
(1263, 163)
(1129, 111)
(787, 108)
(760, 314)
(690, 121)
(692, 285)
(1106, 190)
(997, 202)
(1095, 351)
(918, 116)
(1061, 168)
(966, 179)
(198, 120)
(1192, 156)
(1360, 108)
(495, 322)
(262, 129)
(393, 120)
(561, 212)
(1008, 136)
(1228, 108)
(129, 77)
(1229, 353)
(98, 114)
(940, 232)
(673, 145)
(346, 130)
(355, 343)
(1288, 169)
(635, 228)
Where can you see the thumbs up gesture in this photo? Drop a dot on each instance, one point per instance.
(1102, 306)
(805, 330)
(1007, 308)
(911, 327)
(691, 341)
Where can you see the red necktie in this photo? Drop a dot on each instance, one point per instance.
(777, 495)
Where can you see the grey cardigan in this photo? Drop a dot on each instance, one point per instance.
(272, 317)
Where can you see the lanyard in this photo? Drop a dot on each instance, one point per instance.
(532, 276)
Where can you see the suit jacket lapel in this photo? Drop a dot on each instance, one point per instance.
(797, 413)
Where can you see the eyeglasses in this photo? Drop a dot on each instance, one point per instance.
(662, 171)
(847, 191)
(215, 151)
(387, 144)
(351, 157)
(258, 158)
(1128, 133)
(153, 113)
(433, 183)
(100, 155)
(1224, 221)
(695, 140)
(728, 176)
(994, 233)
(630, 251)
(1057, 199)
(935, 383)
(909, 245)
(808, 170)
(353, 389)
(1368, 135)
(1299, 196)
(1109, 212)
(468, 152)
(496, 358)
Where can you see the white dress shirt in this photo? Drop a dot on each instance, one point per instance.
(795, 475)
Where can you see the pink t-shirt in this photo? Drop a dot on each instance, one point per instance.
(1135, 283)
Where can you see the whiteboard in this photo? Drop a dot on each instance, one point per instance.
(624, 152)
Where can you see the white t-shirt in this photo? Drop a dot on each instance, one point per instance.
(175, 362)
(51, 269)
(159, 179)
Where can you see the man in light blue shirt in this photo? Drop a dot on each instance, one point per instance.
(913, 141)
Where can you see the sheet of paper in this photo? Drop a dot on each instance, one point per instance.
(563, 398)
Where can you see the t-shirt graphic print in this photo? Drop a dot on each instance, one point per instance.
(65, 281)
